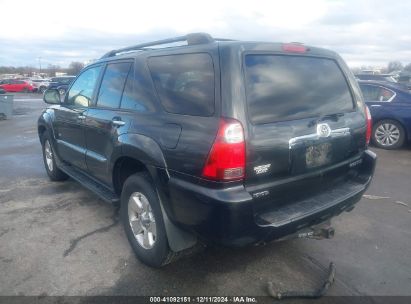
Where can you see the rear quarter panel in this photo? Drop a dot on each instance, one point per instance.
(185, 140)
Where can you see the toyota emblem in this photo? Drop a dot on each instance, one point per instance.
(323, 130)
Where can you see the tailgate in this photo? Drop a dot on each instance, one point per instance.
(302, 119)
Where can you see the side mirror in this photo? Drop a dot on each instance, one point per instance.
(52, 96)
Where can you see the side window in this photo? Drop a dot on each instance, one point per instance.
(82, 90)
(137, 93)
(184, 83)
(112, 84)
(385, 94)
(374, 93)
(370, 92)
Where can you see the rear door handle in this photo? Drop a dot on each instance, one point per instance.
(81, 117)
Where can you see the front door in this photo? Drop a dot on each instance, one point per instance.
(70, 116)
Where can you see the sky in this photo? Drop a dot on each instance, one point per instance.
(363, 32)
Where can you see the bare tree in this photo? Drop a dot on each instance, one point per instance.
(408, 67)
(52, 69)
(356, 70)
(394, 66)
(75, 67)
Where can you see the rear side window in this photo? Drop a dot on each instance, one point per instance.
(281, 87)
(184, 83)
(376, 93)
(66, 80)
(112, 84)
(137, 94)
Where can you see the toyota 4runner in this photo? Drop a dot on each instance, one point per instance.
(204, 140)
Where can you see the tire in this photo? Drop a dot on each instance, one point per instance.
(42, 90)
(388, 134)
(62, 91)
(147, 219)
(54, 173)
(25, 90)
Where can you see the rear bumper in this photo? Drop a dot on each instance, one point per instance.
(229, 217)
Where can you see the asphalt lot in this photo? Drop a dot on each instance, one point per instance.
(60, 239)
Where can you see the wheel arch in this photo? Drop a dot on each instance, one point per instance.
(41, 128)
(138, 153)
(134, 153)
(44, 123)
(124, 167)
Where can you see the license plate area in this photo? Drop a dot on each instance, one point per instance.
(318, 155)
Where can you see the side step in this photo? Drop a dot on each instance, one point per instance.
(91, 184)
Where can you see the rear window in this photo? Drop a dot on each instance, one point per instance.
(282, 87)
(184, 83)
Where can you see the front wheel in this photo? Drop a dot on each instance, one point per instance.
(143, 221)
(62, 91)
(54, 173)
(388, 134)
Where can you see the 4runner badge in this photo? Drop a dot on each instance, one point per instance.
(323, 130)
(262, 169)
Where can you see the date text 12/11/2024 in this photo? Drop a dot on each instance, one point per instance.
(203, 299)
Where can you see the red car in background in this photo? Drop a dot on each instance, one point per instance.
(13, 85)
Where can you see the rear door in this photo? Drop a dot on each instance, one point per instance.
(104, 121)
(302, 118)
(20, 86)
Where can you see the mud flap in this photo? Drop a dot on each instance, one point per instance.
(178, 239)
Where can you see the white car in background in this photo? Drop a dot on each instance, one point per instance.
(41, 84)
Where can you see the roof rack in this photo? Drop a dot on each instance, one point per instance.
(192, 39)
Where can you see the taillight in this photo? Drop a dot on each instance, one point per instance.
(369, 125)
(226, 160)
(294, 48)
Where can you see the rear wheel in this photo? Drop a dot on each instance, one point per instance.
(54, 173)
(388, 134)
(143, 221)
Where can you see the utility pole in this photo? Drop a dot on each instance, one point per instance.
(39, 58)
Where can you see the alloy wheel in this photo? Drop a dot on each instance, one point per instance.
(49, 155)
(387, 134)
(142, 220)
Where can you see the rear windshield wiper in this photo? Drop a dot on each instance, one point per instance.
(332, 117)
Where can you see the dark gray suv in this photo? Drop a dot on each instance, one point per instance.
(213, 141)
